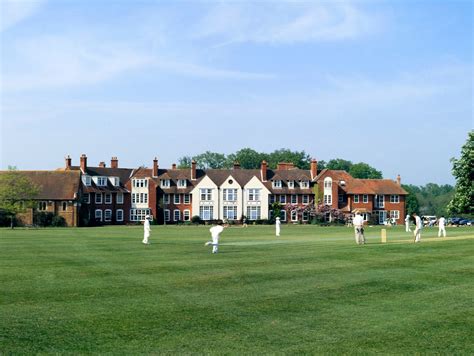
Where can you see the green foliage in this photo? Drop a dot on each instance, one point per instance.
(364, 171)
(247, 157)
(184, 162)
(299, 158)
(463, 170)
(42, 218)
(411, 201)
(431, 199)
(275, 210)
(196, 219)
(58, 221)
(210, 160)
(339, 164)
(16, 192)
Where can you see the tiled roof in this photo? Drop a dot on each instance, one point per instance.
(54, 185)
(123, 173)
(374, 186)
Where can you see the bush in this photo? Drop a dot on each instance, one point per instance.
(196, 219)
(43, 219)
(58, 221)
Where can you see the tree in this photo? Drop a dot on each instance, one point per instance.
(411, 202)
(247, 157)
(184, 162)
(17, 192)
(299, 158)
(363, 170)
(463, 171)
(211, 160)
(339, 164)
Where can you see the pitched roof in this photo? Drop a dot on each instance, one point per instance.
(374, 186)
(54, 185)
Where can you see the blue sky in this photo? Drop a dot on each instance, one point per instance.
(389, 83)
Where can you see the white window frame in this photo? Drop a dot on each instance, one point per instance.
(395, 214)
(167, 215)
(229, 194)
(230, 209)
(380, 201)
(253, 194)
(176, 215)
(165, 183)
(356, 198)
(294, 199)
(328, 199)
(119, 198)
(176, 201)
(187, 199)
(205, 194)
(187, 215)
(101, 181)
(139, 214)
(108, 201)
(304, 216)
(64, 206)
(365, 198)
(328, 183)
(119, 215)
(282, 199)
(291, 184)
(254, 213)
(305, 199)
(272, 198)
(294, 215)
(42, 205)
(107, 215)
(182, 183)
(87, 180)
(304, 184)
(166, 198)
(204, 210)
(98, 201)
(86, 198)
(283, 215)
(395, 198)
(98, 216)
(277, 184)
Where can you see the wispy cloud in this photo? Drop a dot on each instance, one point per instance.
(284, 23)
(15, 11)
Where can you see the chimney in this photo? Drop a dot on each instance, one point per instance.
(83, 163)
(173, 166)
(314, 168)
(399, 180)
(68, 162)
(102, 164)
(285, 166)
(155, 167)
(263, 170)
(236, 165)
(114, 162)
(193, 170)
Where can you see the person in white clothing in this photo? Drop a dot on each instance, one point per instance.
(418, 227)
(146, 230)
(358, 222)
(407, 223)
(277, 226)
(442, 226)
(215, 234)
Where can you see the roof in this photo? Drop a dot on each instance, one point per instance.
(374, 186)
(54, 185)
(123, 173)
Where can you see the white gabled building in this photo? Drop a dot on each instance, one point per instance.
(255, 204)
(205, 199)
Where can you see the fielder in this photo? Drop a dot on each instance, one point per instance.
(407, 223)
(215, 234)
(277, 226)
(442, 226)
(358, 222)
(418, 227)
(146, 230)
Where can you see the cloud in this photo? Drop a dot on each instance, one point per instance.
(15, 11)
(284, 23)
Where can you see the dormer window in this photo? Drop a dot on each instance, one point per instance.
(101, 181)
(291, 184)
(165, 183)
(181, 183)
(140, 183)
(304, 184)
(86, 179)
(115, 181)
(277, 184)
(328, 183)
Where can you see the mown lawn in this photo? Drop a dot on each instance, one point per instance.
(313, 290)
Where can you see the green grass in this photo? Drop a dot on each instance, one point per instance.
(313, 290)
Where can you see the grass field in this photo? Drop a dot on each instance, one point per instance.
(313, 290)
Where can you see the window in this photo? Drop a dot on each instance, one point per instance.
(394, 198)
(165, 183)
(177, 199)
(86, 198)
(98, 198)
(108, 215)
(282, 199)
(115, 181)
(140, 183)
(254, 194)
(328, 183)
(186, 199)
(365, 198)
(294, 199)
(294, 215)
(108, 198)
(42, 205)
(206, 212)
(167, 215)
(394, 214)
(181, 183)
(253, 212)
(166, 199)
(140, 198)
(86, 179)
(291, 184)
(64, 205)
(283, 215)
(119, 198)
(356, 198)
(139, 214)
(305, 216)
(206, 194)
(119, 214)
(101, 181)
(177, 215)
(327, 199)
(340, 198)
(230, 194)
(186, 215)
(272, 199)
(230, 212)
(98, 215)
(305, 199)
(277, 184)
(304, 184)
(379, 201)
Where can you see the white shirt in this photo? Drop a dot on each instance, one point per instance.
(146, 226)
(358, 220)
(418, 222)
(407, 219)
(216, 231)
(442, 222)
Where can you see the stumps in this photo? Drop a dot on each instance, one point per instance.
(383, 235)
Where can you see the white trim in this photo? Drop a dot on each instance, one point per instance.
(110, 198)
(176, 202)
(108, 212)
(365, 198)
(117, 200)
(96, 196)
(294, 215)
(188, 213)
(167, 215)
(100, 215)
(356, 198)
(295, 196)
(117, 218)
(174, 215)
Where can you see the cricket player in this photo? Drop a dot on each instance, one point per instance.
(407, 223)
(358, 222)
(277, 226)
(418, 227)
(146, 230)
(442, 226)
(215, 234)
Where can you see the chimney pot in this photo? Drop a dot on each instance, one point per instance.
(155, 167)
(114, 162)
(83, 163)
(399, 180)
(263, 171)
(68, 162)
(314, 168)
(193, 170)
(102, 164)
(173, 166)
(236, 165)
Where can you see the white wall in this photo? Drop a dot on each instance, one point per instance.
(255, 183)
(205, 183)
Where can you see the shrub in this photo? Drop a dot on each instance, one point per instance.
(196, 219)
(58, 221)
(43, 219)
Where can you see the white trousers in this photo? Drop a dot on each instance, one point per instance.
(146, 235)
(407, 227)
(417, 234)
(277, 231)
(442, 230)
(359, 235)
